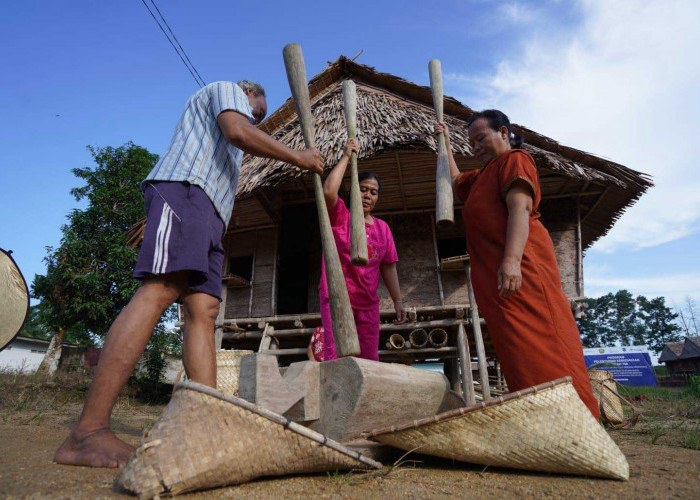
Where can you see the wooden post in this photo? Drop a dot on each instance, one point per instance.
(478, 339)
(218, 338)
(273, 295)
(266, 340)
(451, 369)
(579, 252)
(465, 365)
(252, 275)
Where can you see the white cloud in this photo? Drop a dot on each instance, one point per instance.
(516, 13)
(623, 84)
(602, 279)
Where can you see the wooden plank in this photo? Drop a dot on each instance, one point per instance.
(454, 263)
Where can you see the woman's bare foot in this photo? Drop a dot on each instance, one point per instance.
(99, 448)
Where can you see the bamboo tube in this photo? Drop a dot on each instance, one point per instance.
(444, 205)
(396, 341)
(358, 236)
(344, 331)
(418, 338)
(437, 337)
(465, 365)
(478, 339)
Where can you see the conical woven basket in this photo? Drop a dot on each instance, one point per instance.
(544, 428)
(204, 439)
(228, 368)
(605, 391)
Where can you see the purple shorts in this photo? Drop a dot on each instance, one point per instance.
(183, 233)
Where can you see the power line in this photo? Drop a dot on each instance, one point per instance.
(178, 42)
(199, 82)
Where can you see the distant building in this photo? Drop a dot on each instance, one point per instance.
(24, 354)
(682, 358)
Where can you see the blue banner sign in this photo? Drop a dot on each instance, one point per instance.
(630, 365)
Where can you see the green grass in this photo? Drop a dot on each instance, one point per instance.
(691, 438)
(654, 392)
(669, 415)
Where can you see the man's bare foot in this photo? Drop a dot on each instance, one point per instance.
(95, 449)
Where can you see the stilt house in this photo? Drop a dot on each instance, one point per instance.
(273, 250)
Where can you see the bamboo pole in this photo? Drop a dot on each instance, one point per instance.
(478, 339)
(465, 365)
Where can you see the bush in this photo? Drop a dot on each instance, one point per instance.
(695, 384)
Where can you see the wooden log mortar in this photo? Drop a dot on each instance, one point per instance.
(294, 395)
(358, 236)
(344, 331)
(359, 395)
(444, 204)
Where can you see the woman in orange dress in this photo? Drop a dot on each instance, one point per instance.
(514, 270)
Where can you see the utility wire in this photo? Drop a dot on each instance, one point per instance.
(200, 83)
(178, 43)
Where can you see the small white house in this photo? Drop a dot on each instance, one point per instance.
(24, 354)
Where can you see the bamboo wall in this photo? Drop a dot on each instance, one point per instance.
(258, 299)
(413, 236)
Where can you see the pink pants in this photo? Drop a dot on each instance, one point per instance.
(367, 323)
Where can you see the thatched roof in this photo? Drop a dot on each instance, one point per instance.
(395, 131)
(685, 349)
(671, 351)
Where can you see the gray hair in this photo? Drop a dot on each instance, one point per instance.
(247, 85)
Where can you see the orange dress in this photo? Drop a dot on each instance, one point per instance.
(533, 331)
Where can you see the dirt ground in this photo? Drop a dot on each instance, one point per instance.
(30, 433)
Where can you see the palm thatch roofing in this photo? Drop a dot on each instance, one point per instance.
(395, 130)
(688, 348)
(671, 351)
(395, 121)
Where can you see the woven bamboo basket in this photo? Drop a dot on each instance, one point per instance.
(205, 439)
(228, 370)
(605, 391)
(544, 428)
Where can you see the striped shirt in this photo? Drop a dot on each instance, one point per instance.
(199, 153)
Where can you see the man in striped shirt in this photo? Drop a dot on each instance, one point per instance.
(189, 198)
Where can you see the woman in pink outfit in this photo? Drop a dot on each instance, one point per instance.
(362, 282)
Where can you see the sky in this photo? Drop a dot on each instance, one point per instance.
(617, 78)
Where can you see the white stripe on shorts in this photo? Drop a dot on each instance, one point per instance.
(161, 243)
(167, 240)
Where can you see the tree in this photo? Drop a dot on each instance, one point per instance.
(88, 277)
(621, 319)
(659, 322)
(34, 327)
(589, 327)
(688, 316)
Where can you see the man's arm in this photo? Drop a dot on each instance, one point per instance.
(239, 132)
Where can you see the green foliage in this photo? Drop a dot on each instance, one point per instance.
(34, 327)
(622, 318)
(88, 277)
(695, 384)
(162, 342)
